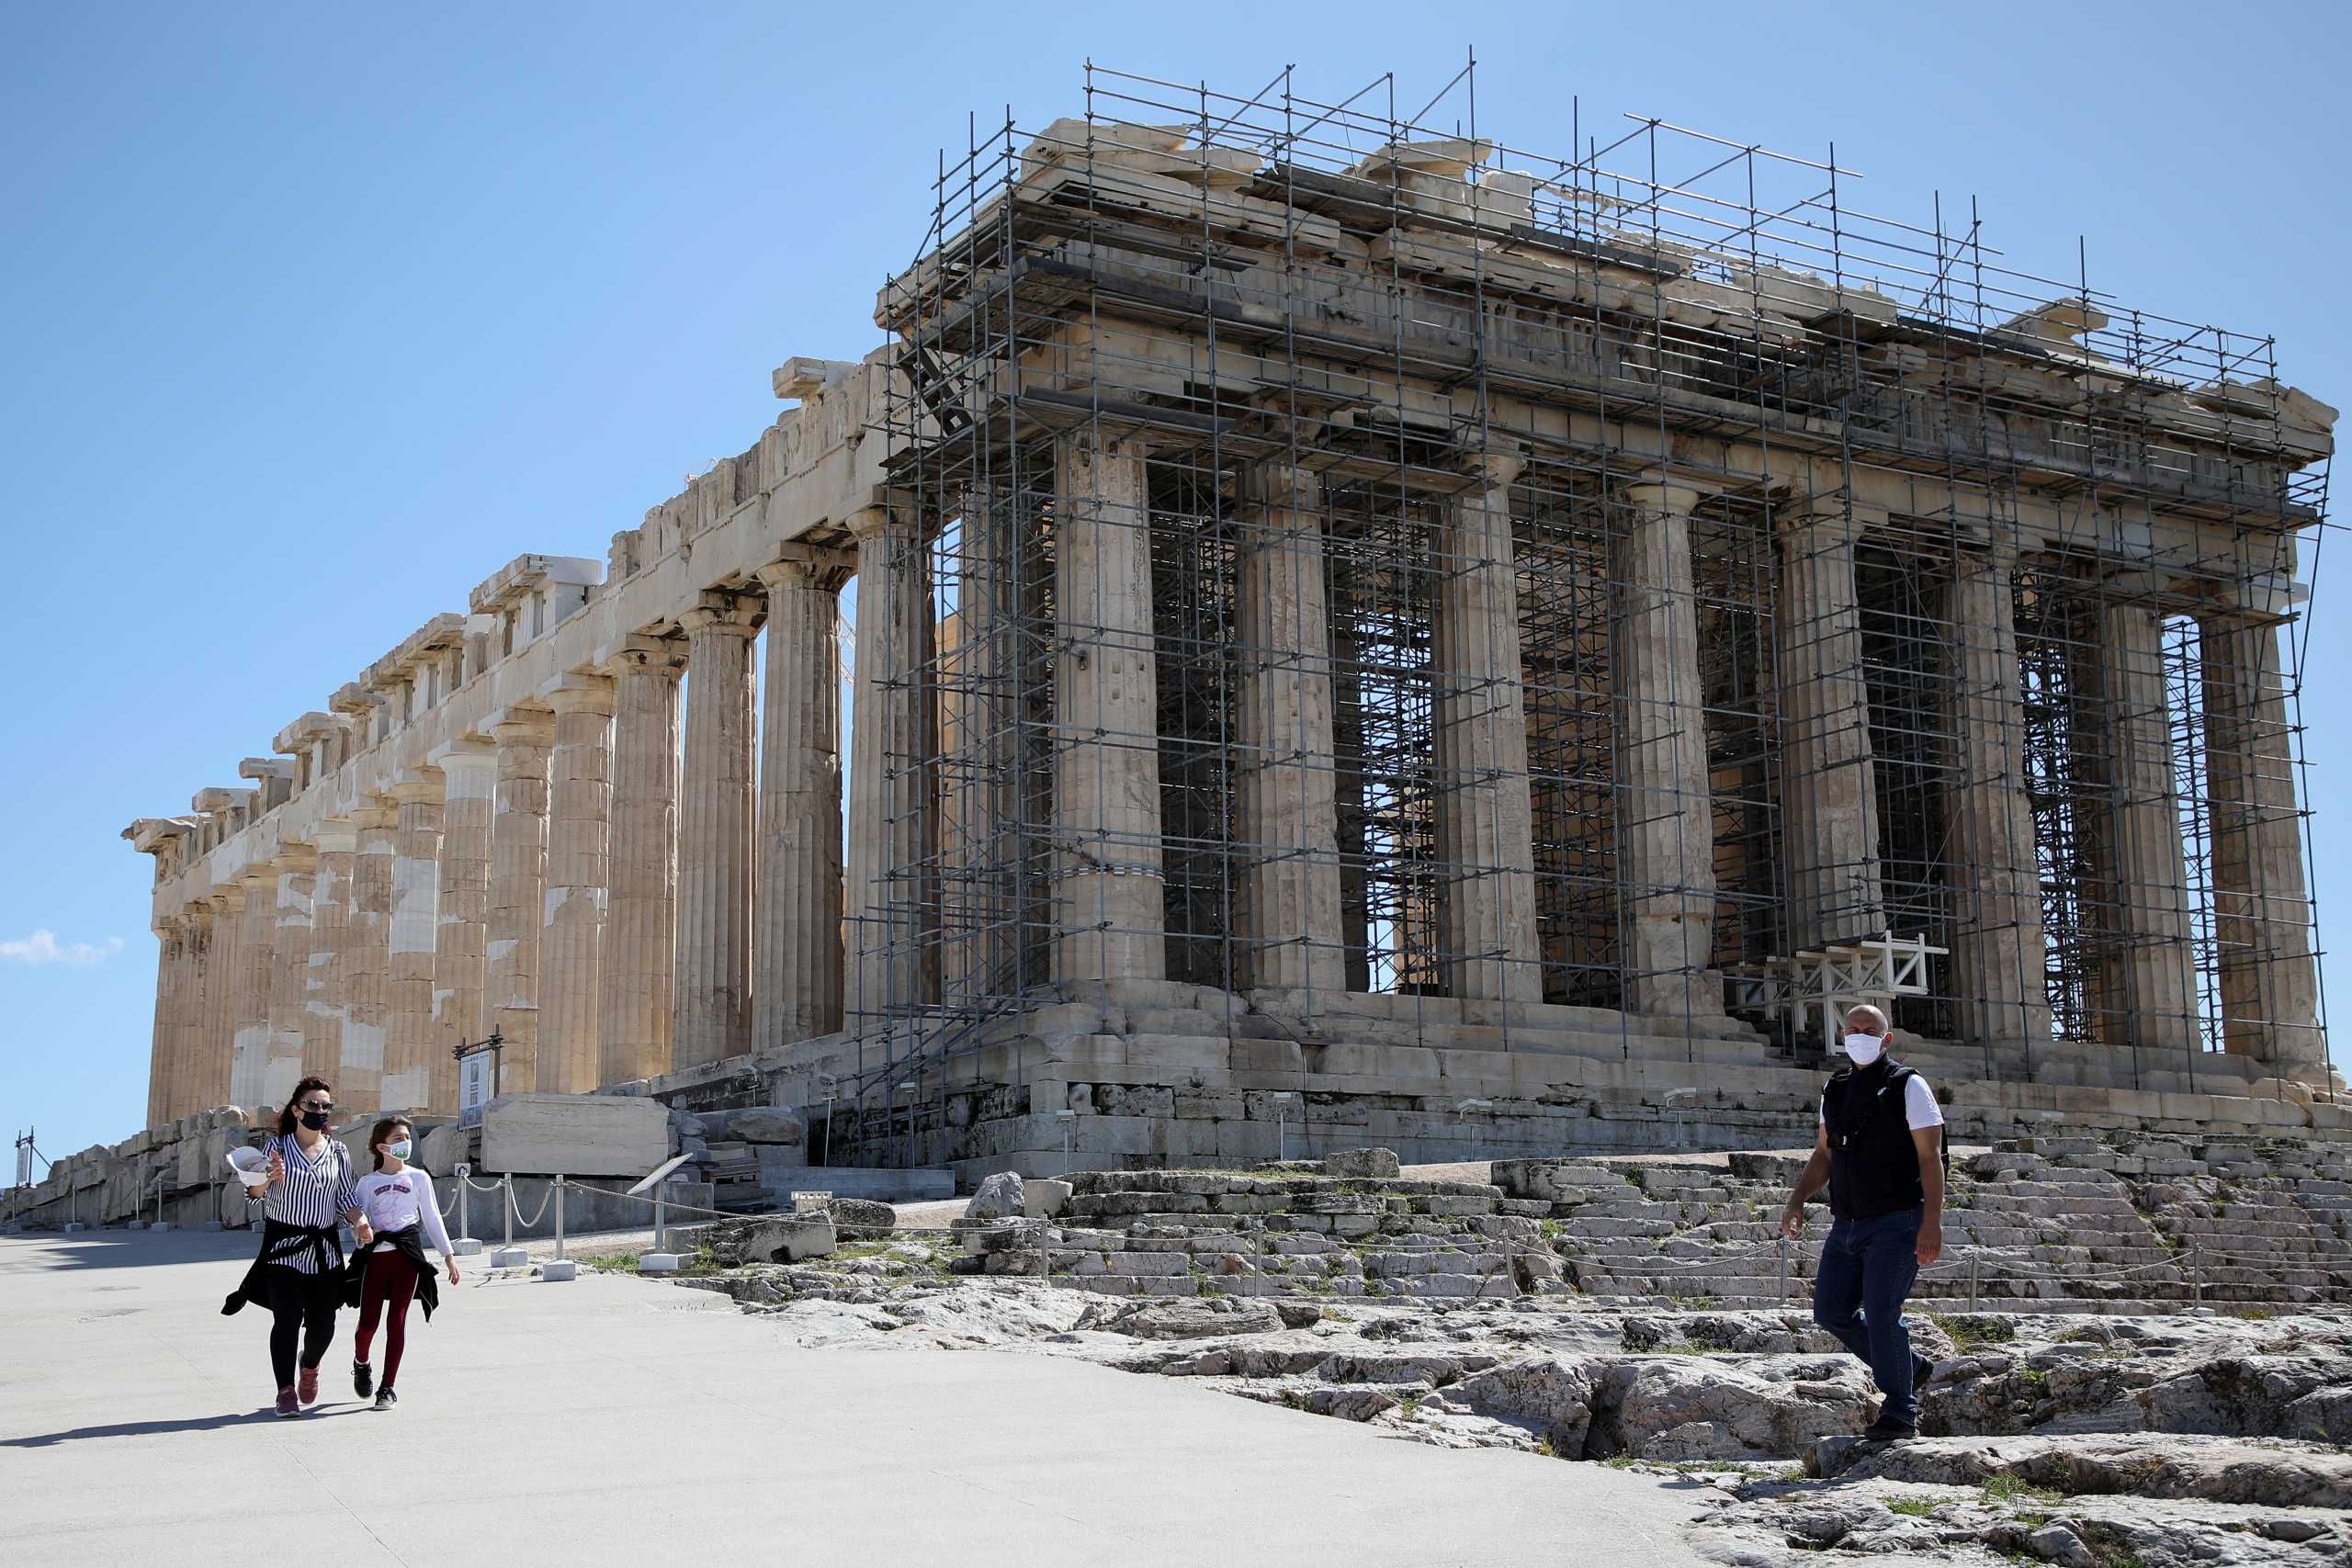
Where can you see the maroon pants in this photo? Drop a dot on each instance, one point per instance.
(389, 1282)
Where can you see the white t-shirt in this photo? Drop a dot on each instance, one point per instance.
(1918, 1105)
(394, 1203)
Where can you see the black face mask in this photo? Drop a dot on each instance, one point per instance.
(316, 1121)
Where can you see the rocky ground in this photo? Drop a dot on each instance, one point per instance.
(2204, 1437)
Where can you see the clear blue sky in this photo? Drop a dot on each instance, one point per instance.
(316, 315)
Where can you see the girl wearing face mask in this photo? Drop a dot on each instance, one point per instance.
(400, 1203)
(297, 1276)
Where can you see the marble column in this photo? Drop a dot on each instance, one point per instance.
(1485, 816)
(415, 944)
(221, 993)
(639, 959)
(1998, 957)
(368, 956)
(208, 1080)
(518, 882)
(1667, 856)
(713, 999)
(797, 975)
(572, 932)
(166, 1039)
(2147, 985)
(461, 927)
(1828, 794)
(894, 821)
(289, 972)
(326, 993)
(1109, 887)
(2269, 983)
(1289, 831)
(256, 946)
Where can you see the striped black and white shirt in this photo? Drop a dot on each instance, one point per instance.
(318, 1191)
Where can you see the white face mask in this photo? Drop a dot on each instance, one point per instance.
(398, 1150)
(1864, 1048)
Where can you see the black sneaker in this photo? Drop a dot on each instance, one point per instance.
(363, 1379)
(385, 1399)
(1922, 1369)
(1887, 1430)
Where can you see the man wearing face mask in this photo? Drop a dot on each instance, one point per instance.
(1879, 1152)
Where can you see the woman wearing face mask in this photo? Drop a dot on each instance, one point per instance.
(297, 1275)
(399, 1201)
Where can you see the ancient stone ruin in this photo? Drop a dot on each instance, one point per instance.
(1365, 636)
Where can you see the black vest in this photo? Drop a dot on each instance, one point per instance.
(1873, 1164)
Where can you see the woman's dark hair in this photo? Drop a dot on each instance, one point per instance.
(287, 1118)
(383, 1131)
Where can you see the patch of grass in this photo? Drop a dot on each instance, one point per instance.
(1916, 1507)
(2012, 1489)
(1969, 1333)
(2253, 1314)
(2033, 1377)
(1617, 1461)
(1410, 1406)
(2108, 1544)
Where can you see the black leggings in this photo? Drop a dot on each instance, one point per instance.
(303, 1302)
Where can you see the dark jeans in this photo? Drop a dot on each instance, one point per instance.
(303, 1303)
(1869, 1265)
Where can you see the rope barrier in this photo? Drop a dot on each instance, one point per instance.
(546, 1200)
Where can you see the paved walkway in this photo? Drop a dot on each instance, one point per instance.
(612, 1420)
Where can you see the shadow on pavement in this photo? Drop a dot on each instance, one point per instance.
(160, 1429)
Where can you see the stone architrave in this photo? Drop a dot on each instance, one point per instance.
(327, 986)
(640, 916)
(1290, 883)
(1997, 954)
(1485, 816)
(1828, 793)
(415, 944)
(572, 932)
(1667, 855)
(289, 973)
(462, 924)
(2262, 915)
(518, 881)
(894, 819)
(1109, 881)
(713, 996)
(368, 956)
(797, 962)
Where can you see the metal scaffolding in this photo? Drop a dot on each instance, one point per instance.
(1382, 298)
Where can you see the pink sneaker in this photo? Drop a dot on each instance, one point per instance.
(310, 1386)
(286, 1403)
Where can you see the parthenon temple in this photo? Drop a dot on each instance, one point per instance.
(1355, 626)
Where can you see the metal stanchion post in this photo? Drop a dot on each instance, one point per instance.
(559, 1218)
(507, 1194)
(1971, 1279)
(462, 1185)
(1784, 1268)
(661, 1232)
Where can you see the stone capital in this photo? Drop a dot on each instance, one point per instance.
(427, 784)
(229, 897)
(728, 614)
(1279, 482)
(643, 653)
(521, 727)
(337, 836)
(378, 818)
(579, 692)
(455, 756)
(822, 566)
(1833, 512)
(296, 858)
(1663, 490)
